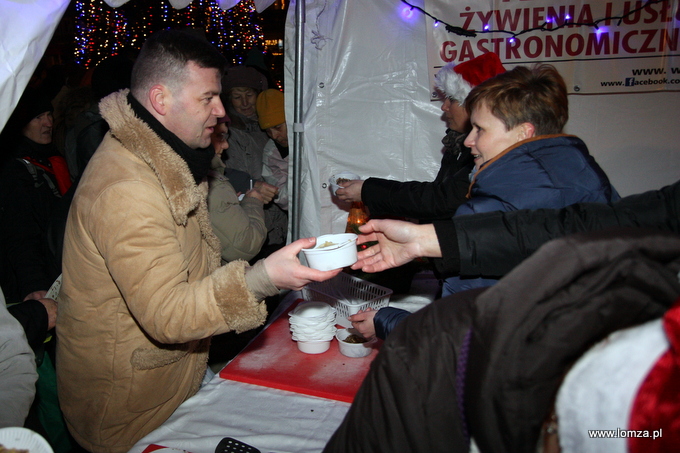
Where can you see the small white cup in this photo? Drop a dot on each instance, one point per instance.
(353, 349)
(333, 180)
(314, 347)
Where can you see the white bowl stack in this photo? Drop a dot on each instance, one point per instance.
(313, 326)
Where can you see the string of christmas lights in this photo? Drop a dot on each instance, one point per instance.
(102, 31)
(550, 24)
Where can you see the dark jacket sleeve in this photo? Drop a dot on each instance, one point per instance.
(449, 264)
(386, 319)
(25, 212)
(438, 199)
(32, 316)
(492, 244)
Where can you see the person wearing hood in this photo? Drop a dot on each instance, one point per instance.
(241, 85)
(33, 179)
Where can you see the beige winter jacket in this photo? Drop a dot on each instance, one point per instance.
(143, 291)
(239, 225)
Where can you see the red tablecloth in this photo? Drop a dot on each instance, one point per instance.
(273, 360)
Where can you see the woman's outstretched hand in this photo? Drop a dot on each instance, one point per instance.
(398, 243)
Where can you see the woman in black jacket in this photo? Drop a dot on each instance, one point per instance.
(31, 183)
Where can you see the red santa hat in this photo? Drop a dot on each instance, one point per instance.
(656, 407)
(457, 80)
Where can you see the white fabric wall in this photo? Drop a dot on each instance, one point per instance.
(26, 28)
(634, 137)
(366, 105)
(366, 110)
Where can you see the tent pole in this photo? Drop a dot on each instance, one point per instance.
(298, 128)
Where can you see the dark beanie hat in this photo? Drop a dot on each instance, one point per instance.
(244, 76)
(31, 104)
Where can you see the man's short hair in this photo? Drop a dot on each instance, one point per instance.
(164, 57)
(535, 95)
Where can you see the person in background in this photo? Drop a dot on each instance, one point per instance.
(32, 182)
(241, 86)
(82, 140)
(110, 75)
(32, 185)
(17, 370)
(522, 160)
(143, 290)
(439, 198)
(237, 221)
(271, 113)
(72, 96)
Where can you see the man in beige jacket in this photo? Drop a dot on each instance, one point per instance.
(143, 290)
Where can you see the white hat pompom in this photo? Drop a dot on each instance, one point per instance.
(452, 84)
(456, 81)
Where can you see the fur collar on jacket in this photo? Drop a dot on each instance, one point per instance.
(453, 142)
(185, 198)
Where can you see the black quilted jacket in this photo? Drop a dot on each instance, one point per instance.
(438, 199)
(491, 244)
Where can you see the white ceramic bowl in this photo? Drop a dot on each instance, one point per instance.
(333, 180)
(314, 347)
(332, 251)
(353, 349)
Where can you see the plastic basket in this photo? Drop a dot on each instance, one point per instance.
(340, 290)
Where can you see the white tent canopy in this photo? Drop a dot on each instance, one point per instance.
(26, 28)
(366, 109)
(365, 102)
